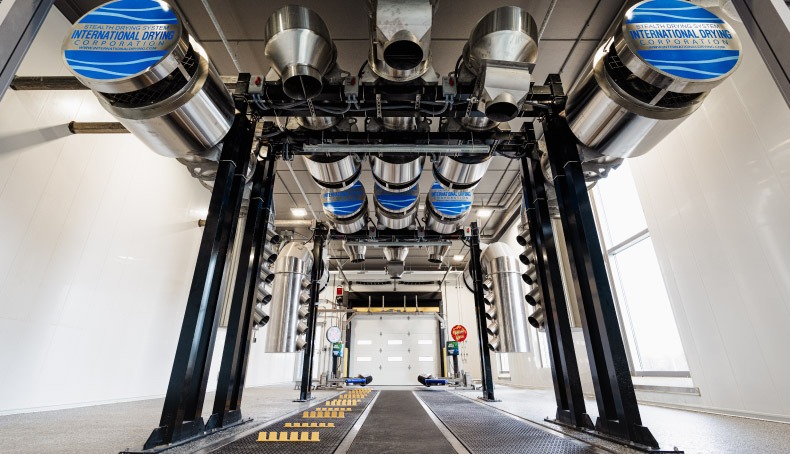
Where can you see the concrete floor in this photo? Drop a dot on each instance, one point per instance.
(692, 432)
(116, 427)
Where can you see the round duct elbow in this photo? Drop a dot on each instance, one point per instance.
(400, 38)
(156, 81)
(446, 209)
(397, 173)
(300, 50)
(461, 172)
(334, 173)
(346, 209)
(508, 33)
(649, 76)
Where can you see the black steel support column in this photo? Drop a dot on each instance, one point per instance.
(230, 384)
(319, 236)
(181, 414)
(480, 311)
(564, 369)
(18, 29)
(617, 406)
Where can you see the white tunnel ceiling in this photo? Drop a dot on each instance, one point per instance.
(242, 22)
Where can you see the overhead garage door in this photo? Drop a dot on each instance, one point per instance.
(394, 348)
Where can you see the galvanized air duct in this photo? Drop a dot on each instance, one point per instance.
(347, 209)
(336, 173)
(300, 50)
(397, 173)
(445, 209)
(498, 261)
(396, 210)
(294, 264)
(356, 252)
(436, 253)
(400, 38)
(153, 77)
(664, 58)
(396, 260)
(501, 51)
(460, 172)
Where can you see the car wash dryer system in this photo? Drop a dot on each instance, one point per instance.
(395, 115)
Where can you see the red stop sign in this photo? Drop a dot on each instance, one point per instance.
(459, 333)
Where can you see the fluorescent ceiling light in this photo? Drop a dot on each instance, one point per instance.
(484, 212)
(298, 212)
(458, 258)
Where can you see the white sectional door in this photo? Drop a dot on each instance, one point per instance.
(394, 348)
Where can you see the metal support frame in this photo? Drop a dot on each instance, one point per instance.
(571, 409)
(319, 236)
(618, 410)
(480, 311)
(18, 28)
(230, 384)
(181, 414)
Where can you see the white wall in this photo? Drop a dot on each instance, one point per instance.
(716, 194)
(98, 240)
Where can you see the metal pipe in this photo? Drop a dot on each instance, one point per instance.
(221, 34)
(301, 190)
(545, 22)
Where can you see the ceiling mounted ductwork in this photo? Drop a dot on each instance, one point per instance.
(396, 210)
(643, 82)
(445, 209)
(400, 37)
(300, 50)
(167, 94)
(347, 209)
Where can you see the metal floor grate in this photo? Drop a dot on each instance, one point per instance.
(484, 430)
(330, 437)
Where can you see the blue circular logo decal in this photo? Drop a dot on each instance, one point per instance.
(121, 39)
(396, 202)
(682, 39)
(449, 203)
(344, 203)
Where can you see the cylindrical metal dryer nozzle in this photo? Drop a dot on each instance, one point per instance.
(396, 210)
(292, 266)
(436, 253)
(446, 209)
(346, 209)
(461, 172)
(300, 50)
(653, 73)
(538, 317)
(355, 251)
(499, 262)
(397, 173)
(163, 90)
(335, 173)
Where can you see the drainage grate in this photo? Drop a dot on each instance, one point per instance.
(330, 437)
(484, 430)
